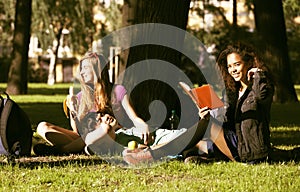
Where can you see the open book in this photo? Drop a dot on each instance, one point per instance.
(203, 96)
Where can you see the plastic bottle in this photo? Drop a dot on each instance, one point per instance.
(174, 120)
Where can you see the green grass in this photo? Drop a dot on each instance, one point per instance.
(83, 173)
(172, 176)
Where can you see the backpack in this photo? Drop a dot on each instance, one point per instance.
(15, 129)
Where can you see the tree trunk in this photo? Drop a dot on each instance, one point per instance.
(170, 12)
(53, 60)
(234, 13)
(234, 20)
(128, 16)
(270, 26)
(18, 72)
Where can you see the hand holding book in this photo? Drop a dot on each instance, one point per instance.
(203, 96)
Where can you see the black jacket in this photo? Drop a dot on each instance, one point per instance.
(252, 117)
(249, 118)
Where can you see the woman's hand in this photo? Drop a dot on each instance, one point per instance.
(204, 113)
(148, 137)
(72, 102)
(251, 72)
(141, 126)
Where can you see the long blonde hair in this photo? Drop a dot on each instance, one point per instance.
(103, 98)
(87, 101)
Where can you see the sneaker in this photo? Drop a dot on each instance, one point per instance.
(88, 151)
(45, 150)
(137, 156)
(190, 152)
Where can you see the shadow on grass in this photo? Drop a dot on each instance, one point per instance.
(285, 115)
(287, 137)
(47, 91)
(56, 161)
(50, 112)
(44, 89)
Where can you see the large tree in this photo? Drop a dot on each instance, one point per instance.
(170, 12)
(18, 72)
(270, 26)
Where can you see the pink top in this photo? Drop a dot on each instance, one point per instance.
(118, 94)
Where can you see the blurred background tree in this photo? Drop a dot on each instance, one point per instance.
(292, 20)
(272, 42)
(18, 73)
(7, 18)
(52, 18)
(268, 35)
(77, 21)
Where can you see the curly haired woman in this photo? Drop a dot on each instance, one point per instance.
(240, 130)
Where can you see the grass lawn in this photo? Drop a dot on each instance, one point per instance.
(86, 173)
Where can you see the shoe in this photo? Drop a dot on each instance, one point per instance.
(137, 156)
(198, 159)
(88, 151)
(45, 150)
(190, 152)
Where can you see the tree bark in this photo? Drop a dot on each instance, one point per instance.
(234, 13)
(171, 12)
(18, 72)
(128, 18)
(271, 29)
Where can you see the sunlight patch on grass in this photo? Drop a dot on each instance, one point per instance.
(38, 98)
(297, 87)
(285, 129)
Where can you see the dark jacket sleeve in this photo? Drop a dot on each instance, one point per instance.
(262, 87)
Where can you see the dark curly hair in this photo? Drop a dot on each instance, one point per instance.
(248, 56)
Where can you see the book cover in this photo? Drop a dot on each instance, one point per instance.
(203, 96)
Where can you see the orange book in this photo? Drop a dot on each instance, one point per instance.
(203, 96)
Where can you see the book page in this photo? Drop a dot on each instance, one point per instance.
(207, 97)
(188, 91)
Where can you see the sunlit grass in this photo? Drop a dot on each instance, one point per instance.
(297, 87)
(42, 93)
(171, 176)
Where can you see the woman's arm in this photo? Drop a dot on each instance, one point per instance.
(262, 88)
(101, 131)
(73, 116)
(72, 102)
(137, 121)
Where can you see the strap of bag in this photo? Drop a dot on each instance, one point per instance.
(16, 148)
(3, 120)
(1, 108)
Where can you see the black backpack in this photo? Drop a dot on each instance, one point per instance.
(15, 129)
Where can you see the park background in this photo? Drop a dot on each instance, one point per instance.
(57, 33)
